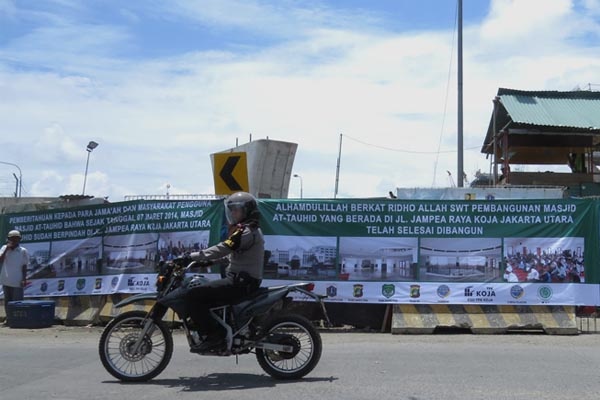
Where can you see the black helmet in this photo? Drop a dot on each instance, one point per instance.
(242, 201)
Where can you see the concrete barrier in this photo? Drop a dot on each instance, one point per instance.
(109, 311)
(406, 318)
(79, 310)
(426, 318)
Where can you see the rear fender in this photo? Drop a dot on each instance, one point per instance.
(260, 304)
(306, 290)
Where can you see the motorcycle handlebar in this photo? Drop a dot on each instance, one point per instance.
(201, 263)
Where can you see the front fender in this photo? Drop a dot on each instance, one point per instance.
(137, 298)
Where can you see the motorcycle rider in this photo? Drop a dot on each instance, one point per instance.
(245, 249)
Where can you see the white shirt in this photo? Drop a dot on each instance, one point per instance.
(533, 275)
(511, 277)
(11, 273)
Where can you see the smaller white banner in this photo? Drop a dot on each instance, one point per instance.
(353, 292)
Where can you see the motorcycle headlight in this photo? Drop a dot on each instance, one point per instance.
(160, 282)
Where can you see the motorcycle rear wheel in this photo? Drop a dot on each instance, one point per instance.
(298, 332)
(116, 353)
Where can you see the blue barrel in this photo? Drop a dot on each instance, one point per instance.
(30, 314)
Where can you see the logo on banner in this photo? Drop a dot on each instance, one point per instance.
(415, 291)
(469, 291)
(98, 284)
(44, 286)
(61, 285)
(331, 291)
(80, 284)
(443, 291)
(545, 293)
(132, 282)
(114, 282)
(388, 290)
(358, 290)
(486, 295)
(517, 292)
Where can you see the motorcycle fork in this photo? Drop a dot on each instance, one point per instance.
(147, 330)
(155, 314)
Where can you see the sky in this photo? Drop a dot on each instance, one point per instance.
(162, 84)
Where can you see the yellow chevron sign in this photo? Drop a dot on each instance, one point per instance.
(230, 173)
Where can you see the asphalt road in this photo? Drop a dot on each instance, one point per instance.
(62, 363)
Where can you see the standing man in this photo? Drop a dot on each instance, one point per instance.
(13, 268)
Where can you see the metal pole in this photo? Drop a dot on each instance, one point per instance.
(16, 185)
(337, 171)
(493, 158)
(301, 185)
(20, 175)
(87, 163)
(460, 98)
(89, 148)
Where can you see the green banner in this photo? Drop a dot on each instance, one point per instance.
(374, 250)
(442, 240)
(114, 219)
(115, 238)
(427, 218)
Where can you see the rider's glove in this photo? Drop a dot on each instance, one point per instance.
(185, 259)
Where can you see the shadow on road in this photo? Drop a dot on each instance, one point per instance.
(226, 381)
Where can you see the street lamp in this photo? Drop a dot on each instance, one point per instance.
(301, 184)
(91, 146)
(20, 183)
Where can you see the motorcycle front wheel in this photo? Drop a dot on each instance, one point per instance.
(117, 351)
(298, 333)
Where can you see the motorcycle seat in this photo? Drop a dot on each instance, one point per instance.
(260, 291)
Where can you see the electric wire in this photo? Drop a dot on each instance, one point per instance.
(439, 151)
(404, 150)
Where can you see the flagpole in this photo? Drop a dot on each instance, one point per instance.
(337, 171)
(460, 172)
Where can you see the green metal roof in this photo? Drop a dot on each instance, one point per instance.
(576, 109)
(546, 112)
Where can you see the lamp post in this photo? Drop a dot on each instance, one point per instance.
(20, 183)
(301, 184)
(91, 146)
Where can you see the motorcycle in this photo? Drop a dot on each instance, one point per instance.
(136, 346)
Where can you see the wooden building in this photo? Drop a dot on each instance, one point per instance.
(545, 128)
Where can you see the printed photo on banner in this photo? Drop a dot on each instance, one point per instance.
(134, 253)
(544, 260)
(109, 255)
(175, 244)
(378, 258)
(300, 257)
(64, 258)
(460, 259)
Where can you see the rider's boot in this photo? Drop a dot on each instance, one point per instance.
(210, 342)
(213, 338)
